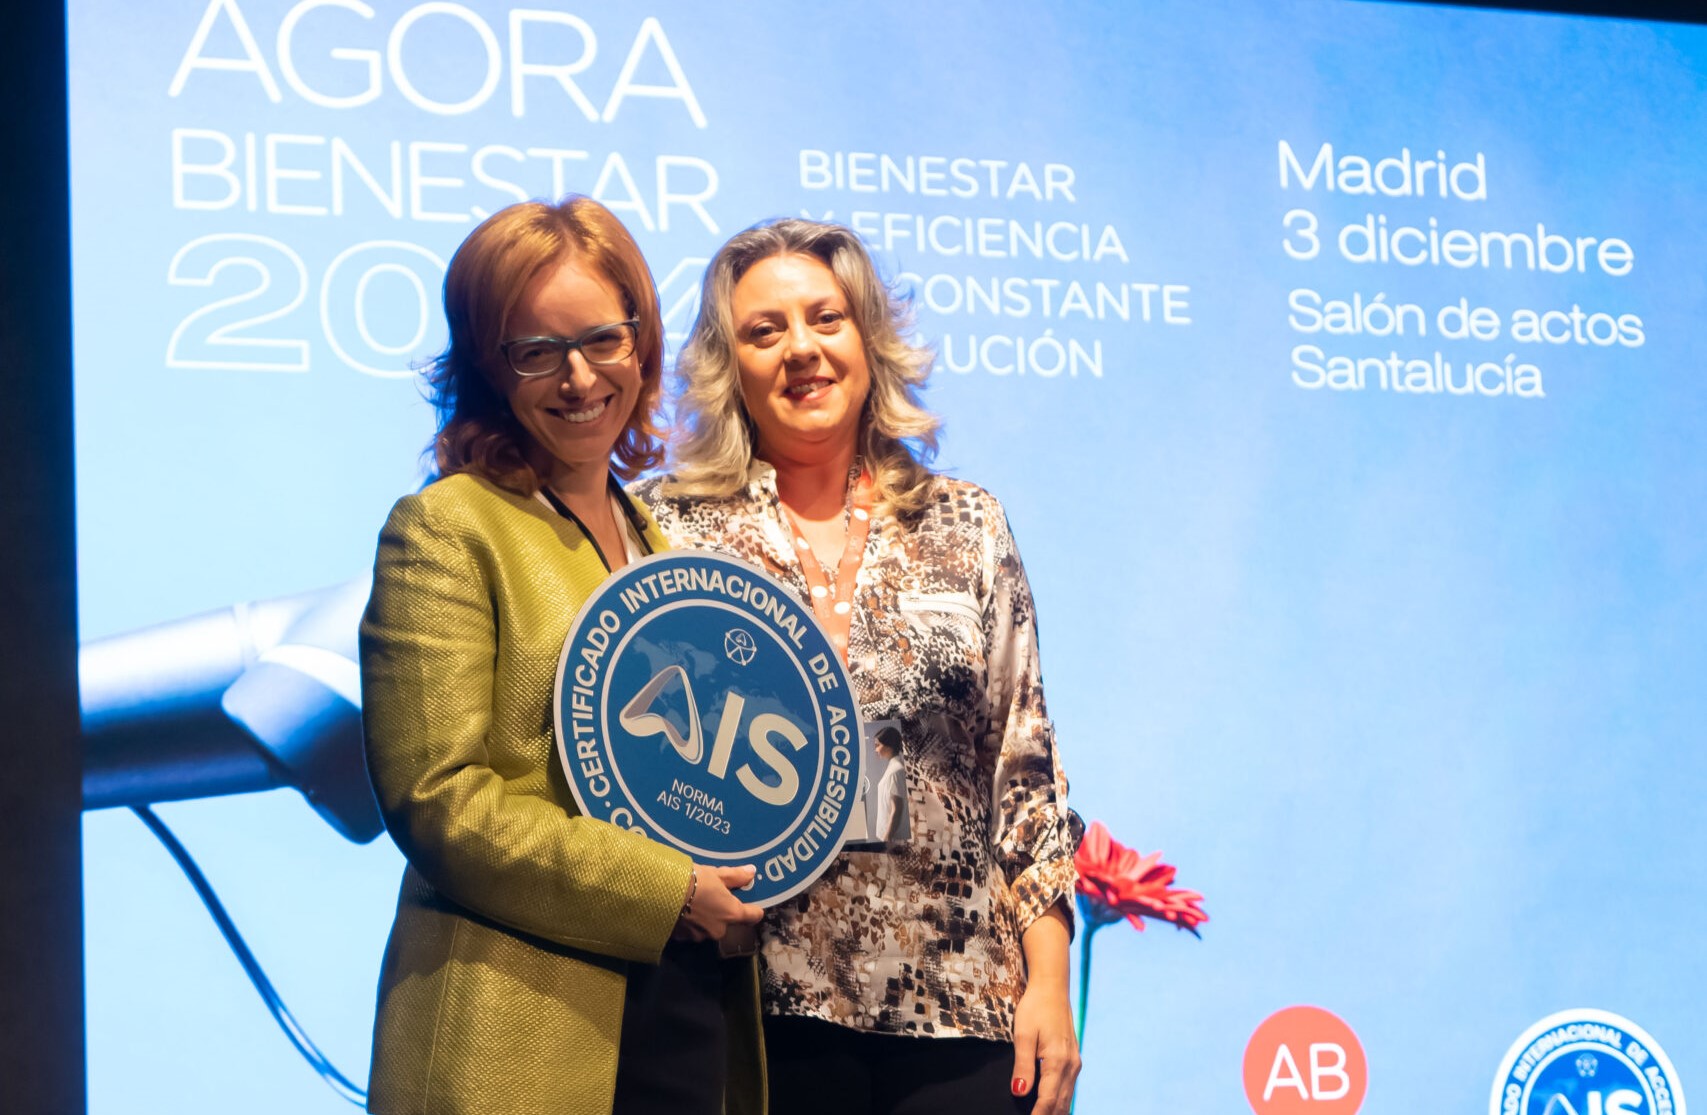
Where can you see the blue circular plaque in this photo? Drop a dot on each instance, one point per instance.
(1587, 1061)
(700, 704)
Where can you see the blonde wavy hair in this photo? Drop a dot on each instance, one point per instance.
(714, 437)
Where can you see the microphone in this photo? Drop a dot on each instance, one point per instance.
(253, 697)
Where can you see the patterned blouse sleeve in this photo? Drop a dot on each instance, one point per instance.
(1033, 836)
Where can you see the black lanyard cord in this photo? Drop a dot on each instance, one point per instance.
(634, 519)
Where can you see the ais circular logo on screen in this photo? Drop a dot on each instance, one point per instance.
(1586, 1062)
(700, 704)
(1305, 1061)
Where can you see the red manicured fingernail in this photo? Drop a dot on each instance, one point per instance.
(1019, 1085)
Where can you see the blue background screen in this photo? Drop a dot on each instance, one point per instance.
(1368, 556)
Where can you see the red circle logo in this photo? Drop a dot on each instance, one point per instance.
(1305, 1061)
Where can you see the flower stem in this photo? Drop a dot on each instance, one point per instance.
(1084, 980)
(1091, 928)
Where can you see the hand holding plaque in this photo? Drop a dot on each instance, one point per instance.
(715, 911)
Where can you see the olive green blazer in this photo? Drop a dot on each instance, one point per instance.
(502, 984)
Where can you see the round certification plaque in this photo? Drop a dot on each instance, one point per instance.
(700, 704)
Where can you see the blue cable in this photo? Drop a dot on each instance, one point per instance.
(293, 1030)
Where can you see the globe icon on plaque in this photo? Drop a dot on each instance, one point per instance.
(738, 644)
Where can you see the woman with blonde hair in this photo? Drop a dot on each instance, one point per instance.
(931, 973)
(541, 961)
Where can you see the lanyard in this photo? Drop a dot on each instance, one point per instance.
(635, 524)
(834, 608)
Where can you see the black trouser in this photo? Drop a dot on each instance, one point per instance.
(819, 1068)
(673, 1059)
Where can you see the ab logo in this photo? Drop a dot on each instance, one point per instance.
(1586, 1062)
(1305, 1061)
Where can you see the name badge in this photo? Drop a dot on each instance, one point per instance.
(700, 704)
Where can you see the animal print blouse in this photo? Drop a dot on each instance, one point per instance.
(921, 937)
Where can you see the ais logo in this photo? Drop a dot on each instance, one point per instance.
(699, 703)
(1586, 1062)
(1305, 1061)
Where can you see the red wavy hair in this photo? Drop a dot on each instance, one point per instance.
(478, 433)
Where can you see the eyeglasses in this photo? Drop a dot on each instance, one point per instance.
(544, 356)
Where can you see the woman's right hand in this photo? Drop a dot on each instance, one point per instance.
(713, 906)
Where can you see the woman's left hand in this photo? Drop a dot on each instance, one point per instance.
(1046, 1050)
